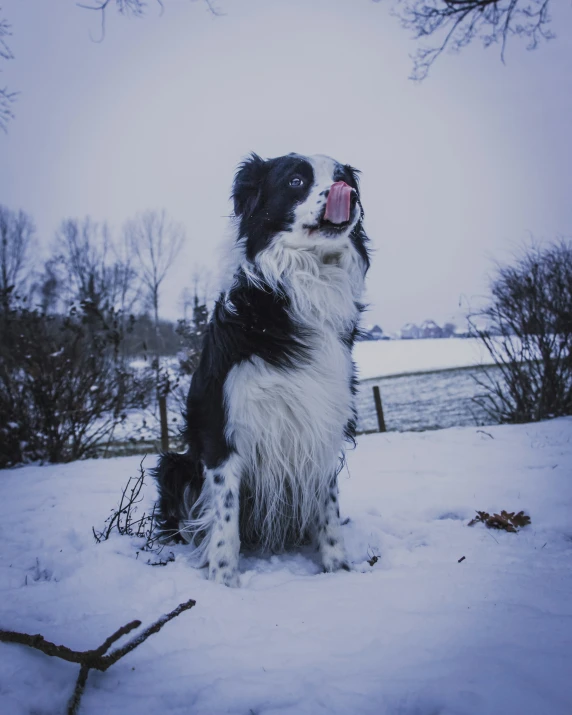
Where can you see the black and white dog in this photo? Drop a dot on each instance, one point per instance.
(272, 400)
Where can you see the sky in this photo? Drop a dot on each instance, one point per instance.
(457, 171)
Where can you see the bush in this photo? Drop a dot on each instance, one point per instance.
(64, 386)
(529, 336)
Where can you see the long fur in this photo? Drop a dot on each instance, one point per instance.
(273, 398)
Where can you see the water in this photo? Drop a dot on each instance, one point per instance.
(431, 400)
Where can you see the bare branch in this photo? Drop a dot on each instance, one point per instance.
(156, 242)
(212, 9)
(17, 232)
(455, 23)
(91, 658)
(73, 705)
(96, 658)
(135, 8)
(125, 7)
(7, 98)
(108, 660)
(5, 31)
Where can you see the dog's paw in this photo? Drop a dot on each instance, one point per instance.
(336, 563)
(225, 576)
(333, 554)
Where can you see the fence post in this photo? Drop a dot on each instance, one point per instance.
(164, 423)
(378, 409)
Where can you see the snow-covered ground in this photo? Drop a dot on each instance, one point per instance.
(381, 358)
(418, 633)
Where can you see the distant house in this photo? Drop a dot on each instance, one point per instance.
(462, 333)
(410, 331)
(373, 332)
(430, 329)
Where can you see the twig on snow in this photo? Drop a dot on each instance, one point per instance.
(98, 657)
(482, 431)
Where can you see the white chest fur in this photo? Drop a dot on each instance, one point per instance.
(287, 425)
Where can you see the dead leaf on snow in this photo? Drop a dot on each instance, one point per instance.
(506, 520)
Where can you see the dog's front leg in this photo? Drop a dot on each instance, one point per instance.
(224, 544)
(330, 539)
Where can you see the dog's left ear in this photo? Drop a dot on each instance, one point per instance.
(247, 186)
(354, 173)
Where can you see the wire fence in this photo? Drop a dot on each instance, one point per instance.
(422, 401)
(402, 403)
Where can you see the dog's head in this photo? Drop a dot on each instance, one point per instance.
(305, 202)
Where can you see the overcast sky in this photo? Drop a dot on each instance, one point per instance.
(456, 171)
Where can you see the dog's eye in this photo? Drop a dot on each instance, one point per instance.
(296, 182)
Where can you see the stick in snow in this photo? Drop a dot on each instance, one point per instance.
(96, 658)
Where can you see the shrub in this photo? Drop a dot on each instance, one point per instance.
(64, 386)
(529, 336)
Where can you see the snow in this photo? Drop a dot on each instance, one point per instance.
(418, 633)
(381, 358)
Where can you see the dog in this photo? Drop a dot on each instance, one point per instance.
(273, 398)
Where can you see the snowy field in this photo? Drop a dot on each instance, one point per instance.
(423, 384)
(417, 633)
(425, 400)
(382, 358)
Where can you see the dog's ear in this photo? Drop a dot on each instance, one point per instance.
(354, 173)
(247, 186)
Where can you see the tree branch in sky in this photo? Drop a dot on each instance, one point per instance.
(453, 24)
(7, 97)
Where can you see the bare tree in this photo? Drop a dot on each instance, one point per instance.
(453, 24)
(155, 242)
(200, 292)
(125, 287)
(48, 286)
(16, 235)
(6, 96)
(186, 301)
(96, 270)
(83, 250)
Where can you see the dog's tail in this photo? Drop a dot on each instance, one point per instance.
(179, 481)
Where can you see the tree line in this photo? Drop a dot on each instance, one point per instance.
(71, 325)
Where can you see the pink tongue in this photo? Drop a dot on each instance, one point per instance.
(338, 203)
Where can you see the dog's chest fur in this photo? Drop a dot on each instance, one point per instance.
(288, 425)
